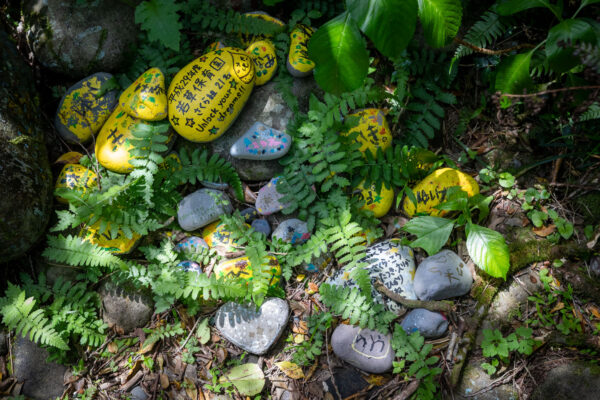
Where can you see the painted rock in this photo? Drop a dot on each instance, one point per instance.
(80, 114)
(430, 324)
(190, 266)
(145, 98)
(121, 244)
(431, 191)
(207, 95)
(191, 244)
(441, 276)
(202, 207)
(291, 231)
(219, 238)
(373, 130)
(250, 329)
(261, 142)
(75, 177)
(365, 349)
(218, 45)
(378, 202)
(265, 60)
(171, 163)
(262, 226)
(389, 262)
(249, 214)
(317, 264)
(70, 157)
(241, 268)
(267, 201)
(298, 63)
(112, 143)
(248, 39)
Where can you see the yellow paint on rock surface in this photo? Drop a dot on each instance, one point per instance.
(265, 60)
(71, 157)
(119, 245)
(146, 98)
(298, 56)
(240, 268)
(75, 177)
(373, 130)
(172, 162)
(112, 143)
(378, 202)
(215, 46)
(431, 191)
(206, 96)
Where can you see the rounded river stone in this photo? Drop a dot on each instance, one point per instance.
(365, 349)
(292, 231)
(202, 207)
(267, 201)
(442, 276)
(262, 226)
(429, 324)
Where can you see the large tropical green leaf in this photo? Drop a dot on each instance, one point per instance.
(570, 31)
(488, 250)
(432, 232)
(513, 74)
(340, 55)
(390, 24)
(248, 379)
(440, 20)
(511, 7)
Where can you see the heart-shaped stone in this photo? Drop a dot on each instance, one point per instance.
(253, 330)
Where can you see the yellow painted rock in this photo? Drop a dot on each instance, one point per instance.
(145, 98)
(265, 60)
(207, 95)
(75, 177)
(240, 268)
(171, 162)
(298, 63)
(247, 39)
(119, 245)
(218, 237)
(431, 191)
(80, 113)
(71, 157)
(373, 130)
(112, 143)
(378, 202)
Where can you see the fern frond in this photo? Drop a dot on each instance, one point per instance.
(73, 250)
(483, 33)
(593, 112)
(209, 17)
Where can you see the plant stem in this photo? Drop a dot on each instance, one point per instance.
(431, 305)
(492, 52)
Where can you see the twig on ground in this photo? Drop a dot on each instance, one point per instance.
(492, 52)
(409, 390)
(431, 305)
(337, 391)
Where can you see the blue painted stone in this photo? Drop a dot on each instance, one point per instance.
(261, 142)
(249, 214)
(262, 226)
(190, 266)
(267, 201)
(429, 324)
(292, 231)
(192, 244)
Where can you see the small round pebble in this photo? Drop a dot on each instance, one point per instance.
(262, 226)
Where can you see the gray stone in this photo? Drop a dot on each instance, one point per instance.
(249, 214)
(215, 185)
(475, 383)
(73, 38)
(267, 201)
(268, 106)
(292, 231)
(86, 111)
(42, 380)
(3, 347)
(389, 262)
(137, 393)
(573, 381)
(595, 266)
(261, 142)
(253, 330)
(368, 350)
(429, 324)
(442, 276)
(262, 226)
(25, 179)
(202, 207)
(191, 244)
(124, 307)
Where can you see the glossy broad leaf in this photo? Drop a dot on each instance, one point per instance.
(340, 56)
(390, 24)
(511, 7)
(432, 232)
(569, 31)
(248, 379)
(488, 250)
(513, 74)
(440, 20)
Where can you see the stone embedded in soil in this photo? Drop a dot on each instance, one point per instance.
(262, 226)
(366, 349)
(298, 63)
(261, 142)
(389, 262)
(268, 199)
(428, 323)
(191, 244)
(476, 384)
(292, 231)
(146, 97)
(442, 276)
(265, 60)
(202, 207)
(250, 329)
(575, 380)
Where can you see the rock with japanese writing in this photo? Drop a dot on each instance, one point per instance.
(191, 244)
(442, 276)
(428, 323)
(202, 207)
(254, 330)
(75, 177)
(366, 349)
(298, 63)
(431, 191)
(261, 142)
(206, 96)
(218, 237)
(265, 60)
(372, 130)
(292, 231)
(145, 98)
(389, 262)
(262, 226)
(241, 268)
(274, 25)
(113, 142)
(120, 244)
(80, 113)
(190, 266)
(267, 201)
(378, 202)
(249, 214)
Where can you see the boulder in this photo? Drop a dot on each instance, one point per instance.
(577, 380)
(124, 307)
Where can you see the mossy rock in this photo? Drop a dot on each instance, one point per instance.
(588, 205)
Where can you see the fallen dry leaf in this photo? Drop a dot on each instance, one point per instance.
(558, 307)
(377, 380)
(312, 288)
(190, 389)
(164, 381)
(112, 347)
(146, 348)
(545, 230)
(290, 369)
(594, 311)
(249, 196)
